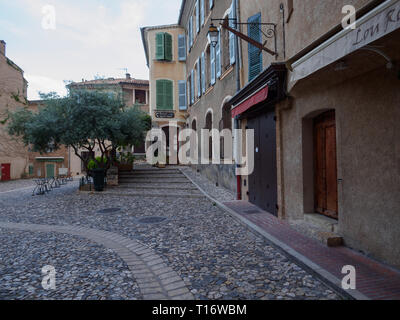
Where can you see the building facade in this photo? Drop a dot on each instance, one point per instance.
(211, 78)
(13, 95)
(326, 138)
(166, 58)
(323, 102)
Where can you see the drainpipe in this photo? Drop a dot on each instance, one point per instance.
(237, 121)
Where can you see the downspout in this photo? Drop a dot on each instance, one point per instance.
(237, 121)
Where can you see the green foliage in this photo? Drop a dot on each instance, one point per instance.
(84, 120)
(97, 163)
(126, 158)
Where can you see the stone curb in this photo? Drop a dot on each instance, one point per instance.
(322, 274)
(147, 267)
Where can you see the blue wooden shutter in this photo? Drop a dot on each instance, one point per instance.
(198, 70)
(203, 72)
(192, 80)
(182, 95)
(197, 16)
(191, 31)
(168, 46)
(160, 48)
(218, 56)
(232, 37)
(211, 4)
(255, 56)
(182, 47)
(202, 11)
(212, 65)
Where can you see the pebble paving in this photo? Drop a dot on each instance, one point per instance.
(84, 269)
(216, 256)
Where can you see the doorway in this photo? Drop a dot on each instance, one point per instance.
(6, 172)
(325, 165)
(50, 170)
(263, 182)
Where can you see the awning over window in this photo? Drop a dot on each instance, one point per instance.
(379, 22)
(50, 159)
(255, 99)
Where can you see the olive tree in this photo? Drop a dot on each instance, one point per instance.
(83, 120)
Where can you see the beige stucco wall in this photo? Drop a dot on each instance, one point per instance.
(12, 83)
(368, 153)
(312, 19)
(158, 70)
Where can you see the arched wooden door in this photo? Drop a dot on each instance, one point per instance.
(325, 165)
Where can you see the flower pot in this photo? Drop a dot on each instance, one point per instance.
(98, 179)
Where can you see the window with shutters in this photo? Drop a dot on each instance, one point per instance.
(192, 80)
(198, 74)
(197, 12)
(163, 46)
(254, 54)
(164, 92)
(232, 36)
(208, 66)
(182, 47)
(212, 66)
(225, 58)
(182, 95)
(203, 72)
(202, 12)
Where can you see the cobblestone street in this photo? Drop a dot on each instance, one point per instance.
(102, 248)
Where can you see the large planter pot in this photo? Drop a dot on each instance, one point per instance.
(98, 179)
(124, 167)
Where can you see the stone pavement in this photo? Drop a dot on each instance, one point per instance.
(374, 280)
(173, 246)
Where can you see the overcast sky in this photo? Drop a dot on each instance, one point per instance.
(91, 37)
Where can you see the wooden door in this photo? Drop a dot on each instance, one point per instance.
(50, 170)
(6, 172)
(263, 181)
(326, 190)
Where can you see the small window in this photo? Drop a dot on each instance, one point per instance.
(163, 46)
(182, 95)
(182, 47)
(164, 92)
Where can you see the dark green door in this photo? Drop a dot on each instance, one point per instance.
(50, 170)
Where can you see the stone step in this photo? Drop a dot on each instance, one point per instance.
(154, 195)
(140, 176)
(154, 181)
(177, 192)
(139, 186)
(158, 171)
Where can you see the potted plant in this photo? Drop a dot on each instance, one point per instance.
(97, 168)
(125, 162)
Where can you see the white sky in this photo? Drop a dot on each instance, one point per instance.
(92, 37)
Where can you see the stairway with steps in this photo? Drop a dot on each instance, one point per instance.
(146, 181)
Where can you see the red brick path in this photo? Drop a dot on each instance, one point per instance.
(374, 280)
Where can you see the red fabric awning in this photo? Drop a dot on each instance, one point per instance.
(260, 96)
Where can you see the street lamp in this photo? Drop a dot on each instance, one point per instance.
(213, 35)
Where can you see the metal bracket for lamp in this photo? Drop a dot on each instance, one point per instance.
(269, 33)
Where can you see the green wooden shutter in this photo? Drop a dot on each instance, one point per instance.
(168, 46)
(169, 95)
(160, 52)
(255, 56)
(160, 88)
(165, 97)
